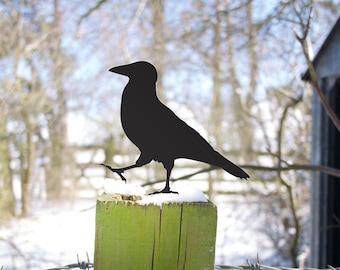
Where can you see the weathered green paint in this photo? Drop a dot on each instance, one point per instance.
(133, 236)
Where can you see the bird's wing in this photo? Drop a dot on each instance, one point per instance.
(182, 141)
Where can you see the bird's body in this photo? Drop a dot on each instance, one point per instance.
(156, 130)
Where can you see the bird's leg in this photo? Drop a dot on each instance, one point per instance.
(142, 160)
(166, 189)
(119, 171)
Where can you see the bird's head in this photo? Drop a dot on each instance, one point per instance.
(137, 71)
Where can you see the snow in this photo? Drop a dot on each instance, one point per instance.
(50, 237)
(54, 233)
(186, 192)
(112, 186)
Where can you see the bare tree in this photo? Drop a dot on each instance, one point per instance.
(233, 65)
(7, 200)
(29, 41)
(57, 123)
(22, 96)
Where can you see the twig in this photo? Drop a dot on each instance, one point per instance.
(14, 247)
(90, 11)
(80, 265)
(313, 77)
(291, 193)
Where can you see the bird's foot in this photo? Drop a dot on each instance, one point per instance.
(164, 190)
(117, 171)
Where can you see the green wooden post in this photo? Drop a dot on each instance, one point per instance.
(133, 236)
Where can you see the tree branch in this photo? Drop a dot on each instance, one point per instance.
(304, 167)
(303, 40)
(296, 167)
(90, 11)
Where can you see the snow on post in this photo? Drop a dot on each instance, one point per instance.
(162, 231)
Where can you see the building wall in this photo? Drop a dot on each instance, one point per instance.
(325, 204)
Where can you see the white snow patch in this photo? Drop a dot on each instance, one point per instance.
(50, 237)
(112, 186)
(186, 193)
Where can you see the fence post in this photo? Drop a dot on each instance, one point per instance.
(134, 236)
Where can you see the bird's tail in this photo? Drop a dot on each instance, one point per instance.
(229, 167)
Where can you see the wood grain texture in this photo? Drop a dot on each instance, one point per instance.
(133, 236)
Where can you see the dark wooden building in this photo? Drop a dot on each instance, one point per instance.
(325, 199)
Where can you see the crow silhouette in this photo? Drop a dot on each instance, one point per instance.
(156, 130)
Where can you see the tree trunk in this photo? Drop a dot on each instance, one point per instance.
(159, 43)
(7, 200)
(242, 101)
(57, 125)
(216, 117)
(27, 165)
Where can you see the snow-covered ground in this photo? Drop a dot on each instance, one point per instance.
(51, 236)
(55, 233)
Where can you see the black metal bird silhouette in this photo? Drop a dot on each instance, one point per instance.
(156, 130)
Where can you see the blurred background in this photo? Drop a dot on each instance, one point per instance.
(231, 69)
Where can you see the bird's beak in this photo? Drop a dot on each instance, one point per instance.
(122, 70)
